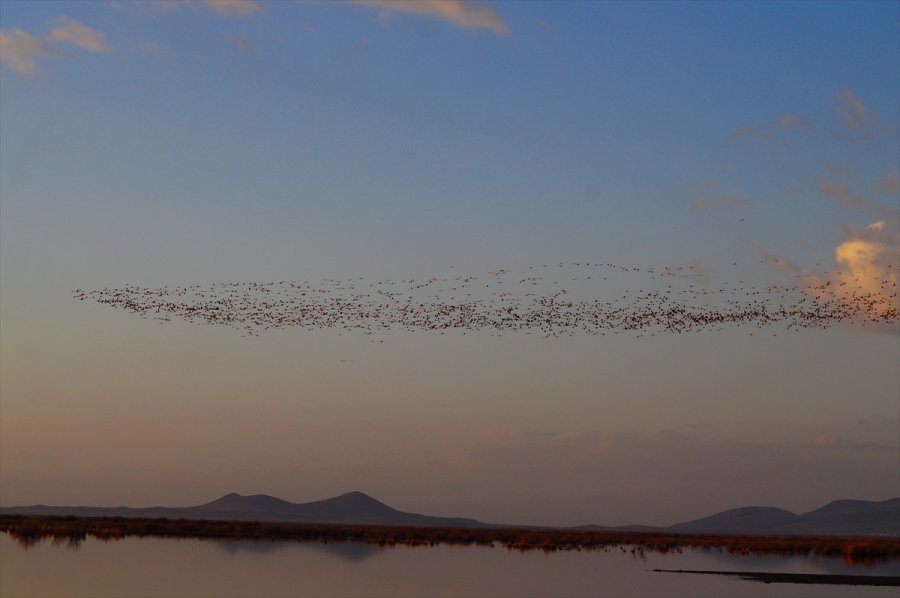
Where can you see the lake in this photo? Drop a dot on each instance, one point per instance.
(148, 567)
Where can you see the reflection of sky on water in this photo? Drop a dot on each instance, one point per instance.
(156, 567)
(775, 564)
(349, 551)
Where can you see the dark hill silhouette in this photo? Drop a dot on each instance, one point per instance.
(745, 520)
(257, 502)
(352, 507)
(841, 517)
(844, 517)
(855, 516)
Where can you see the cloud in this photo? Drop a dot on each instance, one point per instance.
(785, 120)
(151, 49)
(890, 184)
(234, 8)
(865, 274)
(751, 133)
(842, 193)
(76, 33)
(160, 5)
(20, 50)
(699, 268)
(243, 43)
(853, 113)
(729, 201)
(224, 8)
(774, 260)
(835, 168)
(890, 215)
(792, 121)
(458, 12)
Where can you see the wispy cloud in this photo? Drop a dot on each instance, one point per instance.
(225, 8)
(151, 49)
(785, 120)
(699, 268)
(774, 260)
(234, 8)
(242, 43)
(729, 201)
(890, 215)
(890, 184)
(853, 113)
(834, 168)
(751, 133)
(70, 31)
(792, 121)
(458, 12)
(842, 193)
(20, 50)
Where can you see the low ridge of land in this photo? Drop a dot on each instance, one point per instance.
(840, 517)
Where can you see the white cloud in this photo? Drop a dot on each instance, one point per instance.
(459, 12)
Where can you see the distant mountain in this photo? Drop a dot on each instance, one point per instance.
(844, 517)
(738, 521)
(353, 507)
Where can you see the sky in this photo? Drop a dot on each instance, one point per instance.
(201, 143)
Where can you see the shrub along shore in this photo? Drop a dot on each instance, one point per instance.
(27, 530)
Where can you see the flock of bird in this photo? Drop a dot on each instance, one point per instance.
(549, 300)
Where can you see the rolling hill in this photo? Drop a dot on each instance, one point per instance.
(840, 517)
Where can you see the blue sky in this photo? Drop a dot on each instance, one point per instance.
(155, 143)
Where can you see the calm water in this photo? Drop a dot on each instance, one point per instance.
(157, 567)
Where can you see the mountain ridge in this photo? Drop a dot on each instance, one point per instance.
(842, 517)
(839, 517)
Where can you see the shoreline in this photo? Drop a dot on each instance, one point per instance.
(800, 578)
(28, 530)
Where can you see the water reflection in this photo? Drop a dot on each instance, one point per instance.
(164, 567)
(348, 551)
